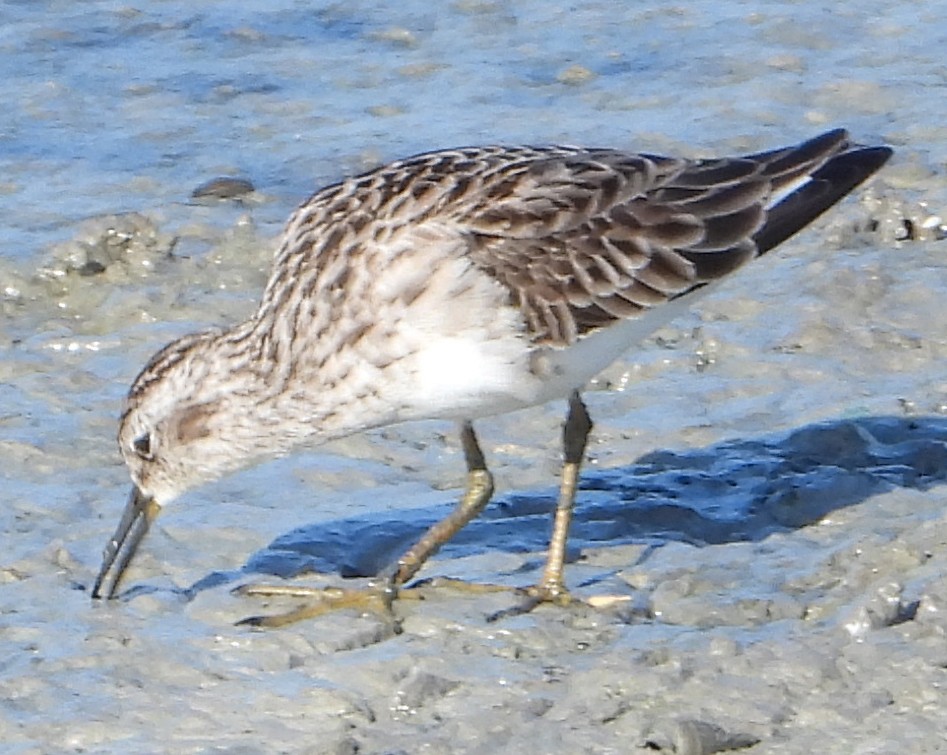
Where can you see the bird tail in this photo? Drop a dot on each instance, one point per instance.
(811, 177)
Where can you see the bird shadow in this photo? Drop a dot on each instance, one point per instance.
(736, 490)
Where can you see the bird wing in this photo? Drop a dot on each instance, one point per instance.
(583, 238)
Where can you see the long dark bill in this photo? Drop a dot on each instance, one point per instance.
(140, 512)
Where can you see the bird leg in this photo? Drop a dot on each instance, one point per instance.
(379, 599)
(551, 587)
(575, 436)
(476, 496)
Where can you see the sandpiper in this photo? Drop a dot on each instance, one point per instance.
(460, 284)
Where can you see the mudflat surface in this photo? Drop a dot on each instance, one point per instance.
(765, 494)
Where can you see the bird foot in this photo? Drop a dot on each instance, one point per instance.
(534, 596)
(531, 597)
(321, 600)
(379, 599)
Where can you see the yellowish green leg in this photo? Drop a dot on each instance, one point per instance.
(551, 587)
(476, 496)
(379, 599)
(575, 436)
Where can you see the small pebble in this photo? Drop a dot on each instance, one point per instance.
(223, 188)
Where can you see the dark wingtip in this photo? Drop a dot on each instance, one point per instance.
(832, 181)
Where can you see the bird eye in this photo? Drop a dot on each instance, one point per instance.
(142, 446)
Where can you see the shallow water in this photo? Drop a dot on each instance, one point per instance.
(787, 578)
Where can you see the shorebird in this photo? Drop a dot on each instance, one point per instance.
(456, 285)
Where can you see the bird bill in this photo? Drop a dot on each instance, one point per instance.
(140, 512)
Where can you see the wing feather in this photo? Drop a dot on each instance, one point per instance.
(584, 238)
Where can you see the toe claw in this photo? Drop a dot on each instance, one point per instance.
(251, 621)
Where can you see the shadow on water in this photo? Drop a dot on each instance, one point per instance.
(738, 490)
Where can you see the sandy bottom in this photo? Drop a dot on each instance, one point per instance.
(765, 502)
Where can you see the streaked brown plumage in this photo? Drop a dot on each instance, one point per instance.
(460, 284)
